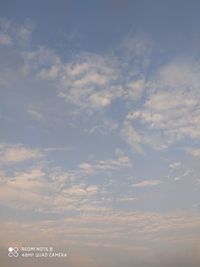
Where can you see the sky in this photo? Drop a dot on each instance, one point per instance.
(100, 132)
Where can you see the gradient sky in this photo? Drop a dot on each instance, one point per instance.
(100, 131)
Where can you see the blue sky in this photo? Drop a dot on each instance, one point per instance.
(100, 131)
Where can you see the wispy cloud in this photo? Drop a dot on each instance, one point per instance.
(106, 165)
(147, 183)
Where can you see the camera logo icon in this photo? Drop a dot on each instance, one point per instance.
(13, 252)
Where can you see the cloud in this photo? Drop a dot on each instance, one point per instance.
(105, 165)
(29, 188)
(15, 34)
(175, 165)
(104, 126)
(195, 152)
(13, 154)
(100, 100)
(36, 114)
(5, 39)
(171, 109)
(108, 228)
(89, 80)
(147, 183)
(167, 109)
(96, 81)
(132, 137)
(42, 63)
(119, 90)
(44, 186)
(135, 89)
(179, 73)
(45, 190)
(82, 190)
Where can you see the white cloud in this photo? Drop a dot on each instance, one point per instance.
(100, 100)
(5, 39)
(105, 165)
(41, 187)
(36, 114)
(44, 63)
(49, 74)
(174, 113)
(171, 109)
(91, 81)
(195, 152)
(88, 81)
(82, 190)
(46, 190)
(147, 183)
(103, 127)
(132, 137)
(26, 190)
(175, 165)
(13, 34)
(135, 89)
(87, 168)
(13, 154)
(25, 32)
(179, 74)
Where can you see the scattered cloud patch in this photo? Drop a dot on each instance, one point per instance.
(12, 34)
(195, 152)
(105, 165)
(175, 165)
(13, 154)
